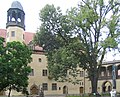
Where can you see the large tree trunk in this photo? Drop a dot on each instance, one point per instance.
(94, 82)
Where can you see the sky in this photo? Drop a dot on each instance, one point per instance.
(32, 9)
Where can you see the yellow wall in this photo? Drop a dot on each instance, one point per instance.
(18, 34)
(38, 79)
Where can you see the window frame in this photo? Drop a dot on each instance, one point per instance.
(54, 86)
(81, 73)
(44, 72)
(45, 86)
(12, 33)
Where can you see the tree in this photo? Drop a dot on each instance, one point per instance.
(14, 69)
(81, 38)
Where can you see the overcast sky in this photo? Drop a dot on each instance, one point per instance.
(31, 9)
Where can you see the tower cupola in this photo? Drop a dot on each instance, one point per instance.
(16, 15)
(15, 23)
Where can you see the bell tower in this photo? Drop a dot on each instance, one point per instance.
(15, 23)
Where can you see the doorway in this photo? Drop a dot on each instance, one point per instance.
(81, 90)
(34, 90)
(65, 90)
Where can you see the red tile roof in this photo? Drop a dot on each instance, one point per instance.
(28, 35)
(3, 33)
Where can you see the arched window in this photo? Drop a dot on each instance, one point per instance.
(19, 17)
(13, 16)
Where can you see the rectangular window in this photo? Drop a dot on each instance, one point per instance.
(32, 73)
(54, 86)
(81, 74)
(45, 86)
(44, 73)
(12, 33)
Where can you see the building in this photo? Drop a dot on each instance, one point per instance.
(39, 77)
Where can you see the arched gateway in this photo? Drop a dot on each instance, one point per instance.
(106, 86)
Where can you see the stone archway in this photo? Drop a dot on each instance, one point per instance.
(106, 86)
(65, 90)
(34, 90)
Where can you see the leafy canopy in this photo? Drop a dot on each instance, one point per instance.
(14, 69)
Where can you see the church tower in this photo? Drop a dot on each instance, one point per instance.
(15, 23)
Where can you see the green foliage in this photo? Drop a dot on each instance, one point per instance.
(49, 17)
(14, 69)
(105, 94)
(81, 38)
